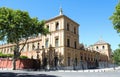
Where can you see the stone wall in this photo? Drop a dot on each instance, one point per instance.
(20, 63)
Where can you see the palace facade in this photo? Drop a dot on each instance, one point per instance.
(62, 48)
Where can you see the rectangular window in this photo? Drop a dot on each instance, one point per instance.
(48, 27)
(74, 30)
(67, 27)
(56, 42)
(68, 42)
(33, 46)
(57, 26)
(46, 43)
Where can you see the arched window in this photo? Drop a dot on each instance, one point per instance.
(97, 47)
(103, 47)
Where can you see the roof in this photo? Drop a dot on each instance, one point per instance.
(59, 16)
(100, 42)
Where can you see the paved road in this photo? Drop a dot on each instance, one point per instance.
(11, 73)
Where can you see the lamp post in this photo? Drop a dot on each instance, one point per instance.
(113, 64)
(113, 61)
(44, 59)
(82, 65)
(37, 53)
(38, 61)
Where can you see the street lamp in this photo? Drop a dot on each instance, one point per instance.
(44, 59)
(113, 61)
(82, 65)
(114, 64)
(38, 51)
(38, 61)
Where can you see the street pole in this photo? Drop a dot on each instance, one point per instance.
(113, 64)
(38, 60)
(44, 59)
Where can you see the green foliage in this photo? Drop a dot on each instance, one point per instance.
(115, 18)
(16, 25)
(10, 55)
(23, 57)
(6, 55)
(116, 56)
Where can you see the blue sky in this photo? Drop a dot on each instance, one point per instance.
(92, 15)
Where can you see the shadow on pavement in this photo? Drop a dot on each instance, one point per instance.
(10, 74)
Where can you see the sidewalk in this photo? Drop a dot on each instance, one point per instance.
(87, 70)
(92, 70)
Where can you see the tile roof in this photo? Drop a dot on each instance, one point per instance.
(101, 42)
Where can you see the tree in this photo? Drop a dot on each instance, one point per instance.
(17, 26)
(115, 18)
(116, 56)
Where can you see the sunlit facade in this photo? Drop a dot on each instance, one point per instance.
(62, 48)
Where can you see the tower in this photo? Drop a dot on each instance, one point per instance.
(64, 37)
(103, 47)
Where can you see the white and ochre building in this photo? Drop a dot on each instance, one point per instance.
(62, 48)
